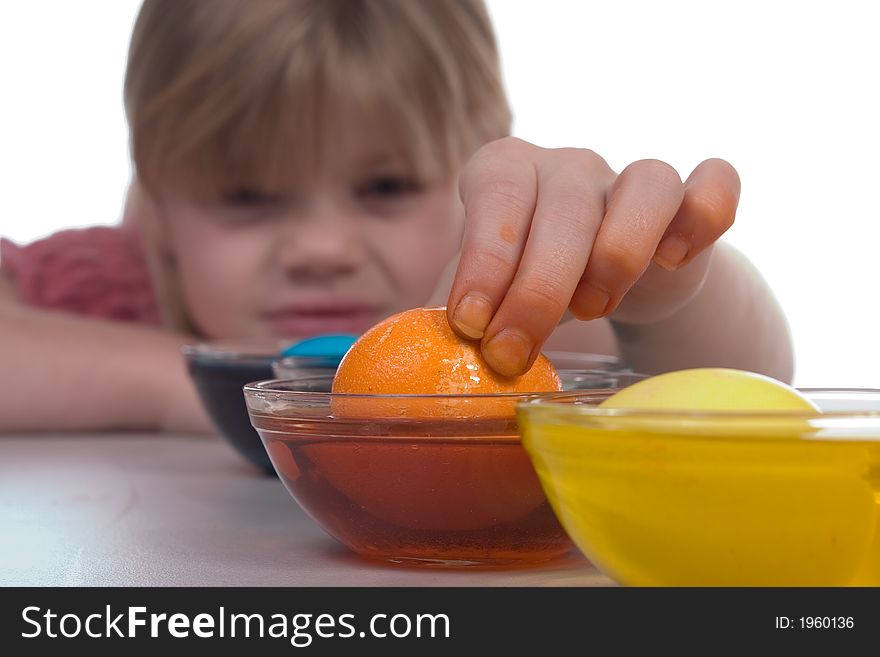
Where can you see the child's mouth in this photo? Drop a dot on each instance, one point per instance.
(304, 321)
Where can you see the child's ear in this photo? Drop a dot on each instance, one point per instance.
(142, 213)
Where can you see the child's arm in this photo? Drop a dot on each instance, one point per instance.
(64, 372)
(556, 231)
(733, 321)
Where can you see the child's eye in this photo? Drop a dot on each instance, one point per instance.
(245, 197)
(388, 187)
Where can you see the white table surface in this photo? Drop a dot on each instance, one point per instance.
(157, 510)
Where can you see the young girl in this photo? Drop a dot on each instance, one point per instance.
(309, 166)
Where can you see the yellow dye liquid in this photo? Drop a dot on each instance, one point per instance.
(652, 507)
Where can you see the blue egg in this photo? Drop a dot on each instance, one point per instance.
(326, 350)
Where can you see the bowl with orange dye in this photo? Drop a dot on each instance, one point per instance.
(410, 452)
(395, 483)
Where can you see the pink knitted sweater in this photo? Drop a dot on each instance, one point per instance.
(99, 272)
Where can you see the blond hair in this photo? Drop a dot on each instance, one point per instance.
(230, 92)
(225, 94)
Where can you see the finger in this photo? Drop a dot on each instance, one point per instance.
(498, 189)
(644, 199)
(570, 207)
(711, 195)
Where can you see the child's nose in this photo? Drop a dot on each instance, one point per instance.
(322, 245)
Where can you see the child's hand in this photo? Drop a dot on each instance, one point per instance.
(555, 230)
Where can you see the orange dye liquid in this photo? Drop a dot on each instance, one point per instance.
(425, 500)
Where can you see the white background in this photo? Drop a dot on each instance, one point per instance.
(786, 91)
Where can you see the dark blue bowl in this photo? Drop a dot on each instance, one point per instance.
(219, 372)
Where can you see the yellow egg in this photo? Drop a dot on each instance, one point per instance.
(710, 389)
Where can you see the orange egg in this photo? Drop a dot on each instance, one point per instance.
(422, 477)
(415, 352)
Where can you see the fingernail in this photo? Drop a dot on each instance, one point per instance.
(591, 302)
(508, 352)
(672, 252)
(472, 315)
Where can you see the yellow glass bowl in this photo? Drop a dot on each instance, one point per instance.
(666, 498)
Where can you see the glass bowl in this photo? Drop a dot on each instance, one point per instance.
(418, 479)
(666, 498)
(219, 371)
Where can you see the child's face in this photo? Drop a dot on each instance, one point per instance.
(365, 240)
